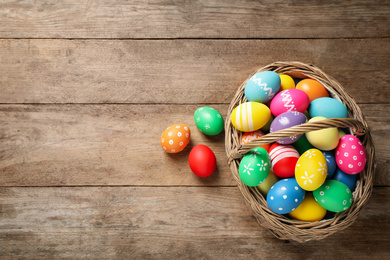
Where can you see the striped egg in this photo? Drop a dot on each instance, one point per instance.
(283, 160)
(250, 116)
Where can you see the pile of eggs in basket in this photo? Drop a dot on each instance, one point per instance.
(306, 175)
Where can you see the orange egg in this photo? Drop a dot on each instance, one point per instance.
(248, 136)
(175, 138)
(313, 89)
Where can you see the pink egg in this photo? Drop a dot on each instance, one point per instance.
(289, 100)
(350, 155)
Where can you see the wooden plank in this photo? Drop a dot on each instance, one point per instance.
(200, 19)
(180, 71)
(59, 145)
(166, 223)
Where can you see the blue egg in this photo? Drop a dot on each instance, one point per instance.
(327, 107)
(262, 86)
(347, 179)
(285, 196)
(331, 162)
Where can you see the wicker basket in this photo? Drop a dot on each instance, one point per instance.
(281, 226)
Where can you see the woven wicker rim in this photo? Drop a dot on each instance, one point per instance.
(281, 226)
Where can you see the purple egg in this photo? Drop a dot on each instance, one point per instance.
(286, 120)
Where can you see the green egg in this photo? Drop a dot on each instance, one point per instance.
(334, 196)
(208, 120)
(254, 167)
(265, 128)
(341, 133)
(302, 144)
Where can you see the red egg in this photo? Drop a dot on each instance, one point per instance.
(283, 159)
(202, 160)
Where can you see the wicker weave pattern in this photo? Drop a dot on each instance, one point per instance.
(281, 226)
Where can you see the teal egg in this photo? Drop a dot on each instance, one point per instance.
(262, 86)
(328, 108)
(254, 167)
(208, 120)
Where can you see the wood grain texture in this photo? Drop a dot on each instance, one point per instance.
(60, 145)
(194, 19)
(177, 71)
(166, 223)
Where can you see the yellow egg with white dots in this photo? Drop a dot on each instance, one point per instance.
(311, 170)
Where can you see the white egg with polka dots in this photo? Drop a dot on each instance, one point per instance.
(350, 155)
(285, 196)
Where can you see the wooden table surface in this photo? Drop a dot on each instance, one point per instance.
(87, 88)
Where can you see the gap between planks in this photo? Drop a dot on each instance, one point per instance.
(196, 39)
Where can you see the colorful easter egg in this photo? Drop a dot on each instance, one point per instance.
(286, 82)
(289, 100)
(330, 162)
(202, 160)
(208, 120)
(328, 107)
(283, 160)
(286, 120)
(334, 196)
(311, 170)
(254, 167)
(175, 138)
(351, 156)
(341, 132)
(285, 196)
(347, 179)
(302, 145)
(262, 86)
(309, 210)
(312, 88)
(248, 136)
(325, 139)
(266, 185)
(250, 116)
